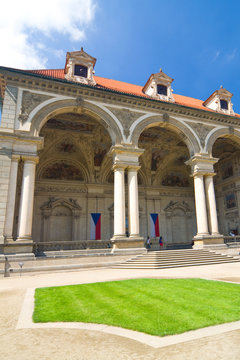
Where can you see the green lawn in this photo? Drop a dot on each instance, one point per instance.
(154, 306)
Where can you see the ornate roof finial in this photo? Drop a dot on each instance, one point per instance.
(160, 70)
(81, 48)
(221, 86)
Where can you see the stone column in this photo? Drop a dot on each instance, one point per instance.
(27, 199)
(211, 203)
(200, 203)
(119, 202)
(8, 227)
(133, 209)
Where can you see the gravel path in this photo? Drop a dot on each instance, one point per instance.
(71, 344)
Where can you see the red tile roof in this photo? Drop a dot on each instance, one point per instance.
(127, 88)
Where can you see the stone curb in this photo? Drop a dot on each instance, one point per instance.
(25, 322)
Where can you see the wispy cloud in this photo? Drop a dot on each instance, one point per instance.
(216, 56)
(225, 57)
(231, 56)
(20, 19)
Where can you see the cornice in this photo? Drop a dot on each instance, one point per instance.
(22, 138)
(62, 87)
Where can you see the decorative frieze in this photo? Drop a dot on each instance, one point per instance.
(58, 188)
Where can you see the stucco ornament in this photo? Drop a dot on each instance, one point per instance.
(126, 117)
(183, 205)
(201, 130)
(29, 102)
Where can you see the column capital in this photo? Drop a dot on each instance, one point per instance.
(133, 167)
(30, 158)
(118, 166)
(125, 155)
(210, 174)
(16, 157)
(202, 173)
(126, 150)
(202, 165)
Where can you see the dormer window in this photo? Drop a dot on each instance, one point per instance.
(162, 90)
(80, 70)
(224, 104)
(79, 67)
(220, 101)
(159, 87)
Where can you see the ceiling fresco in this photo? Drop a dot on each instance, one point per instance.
(165, 153)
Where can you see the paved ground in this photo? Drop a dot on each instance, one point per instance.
(78, 344)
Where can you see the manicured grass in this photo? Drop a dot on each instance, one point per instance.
(154, 306)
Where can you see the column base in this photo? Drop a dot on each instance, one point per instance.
(119, 237)
(9, 240)
(208, 241)
(127, 243)
(20, 246)
(201, 236)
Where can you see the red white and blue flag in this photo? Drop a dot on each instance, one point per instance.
(95, 231)
(154, 225)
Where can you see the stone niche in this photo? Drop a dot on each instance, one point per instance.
(179, 222)
(60, 220)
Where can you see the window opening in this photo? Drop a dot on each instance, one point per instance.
(80, 70)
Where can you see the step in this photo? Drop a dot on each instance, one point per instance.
(170, 266)
(176, 263)
(177, 258)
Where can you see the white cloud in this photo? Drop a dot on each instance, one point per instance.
(19, 19)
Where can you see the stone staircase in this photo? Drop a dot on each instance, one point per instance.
(176, 258)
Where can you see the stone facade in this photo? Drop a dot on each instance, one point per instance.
(72, 149)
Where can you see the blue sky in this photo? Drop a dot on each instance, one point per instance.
(196, 42)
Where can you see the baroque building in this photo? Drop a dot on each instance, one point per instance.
(81, 153)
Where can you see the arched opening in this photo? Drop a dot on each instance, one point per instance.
(227, 150)
(167, 182)
(72, 167)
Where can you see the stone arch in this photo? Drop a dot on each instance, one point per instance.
(64, 106)
(226, 132)
(183, 131)
(76, 164)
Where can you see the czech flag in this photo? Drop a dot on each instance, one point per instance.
(154, 222)
(95, 231)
